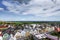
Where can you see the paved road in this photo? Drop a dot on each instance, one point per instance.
(52, 37)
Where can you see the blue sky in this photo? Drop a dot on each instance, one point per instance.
(30, 10)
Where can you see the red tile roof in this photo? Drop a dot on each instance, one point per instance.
(2, 26)
(57, 29)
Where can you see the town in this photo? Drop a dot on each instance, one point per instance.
(29, 19)
(38, 31)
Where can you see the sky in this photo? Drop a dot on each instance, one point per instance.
(29, 10)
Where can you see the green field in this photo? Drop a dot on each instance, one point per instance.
(31, 22)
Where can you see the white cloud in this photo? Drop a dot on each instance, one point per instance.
(37, 10)
(43, 8)
(14, 7)
(1, 9)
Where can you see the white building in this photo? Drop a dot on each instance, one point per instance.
(1, 36)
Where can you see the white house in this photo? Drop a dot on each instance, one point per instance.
(1, 36)
(39, 36)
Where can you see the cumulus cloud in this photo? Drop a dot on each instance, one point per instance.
(43, 8)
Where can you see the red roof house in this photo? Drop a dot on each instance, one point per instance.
(2, 26)
(57, 29)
